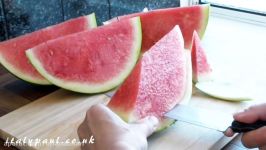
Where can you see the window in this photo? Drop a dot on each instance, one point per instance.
(249, 11)
(250, 6)
(234, 42)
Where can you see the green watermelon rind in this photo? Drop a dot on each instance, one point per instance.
(92, 20)
(16, 72)
(21, 75)
(165, 124)
(205, 19)
(95, 88)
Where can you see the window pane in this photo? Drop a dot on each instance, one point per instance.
(249, 5)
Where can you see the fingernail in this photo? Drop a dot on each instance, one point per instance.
(229, 132)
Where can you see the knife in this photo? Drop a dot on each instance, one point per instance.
(211, 119)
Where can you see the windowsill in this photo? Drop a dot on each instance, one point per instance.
(237, 53)
(254, 5)
(239, 16)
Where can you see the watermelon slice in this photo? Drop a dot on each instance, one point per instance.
(157, 83)
(157, 23)
(224, 91)
(12, 52)
(187, 96)
(90, 61)
(200, 65)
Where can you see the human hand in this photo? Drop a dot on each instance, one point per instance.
(255, 138)
(111, 132)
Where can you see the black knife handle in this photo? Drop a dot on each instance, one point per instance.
(239, 127)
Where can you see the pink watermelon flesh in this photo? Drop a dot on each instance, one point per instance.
(200, 65)
(157, 83)
(12, 52)
(157, 23)
(90, 61)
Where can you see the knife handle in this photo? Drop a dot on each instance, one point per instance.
(239, 127)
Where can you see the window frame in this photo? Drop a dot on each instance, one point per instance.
(230, 13)
(235, 9)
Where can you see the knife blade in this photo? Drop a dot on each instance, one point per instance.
(211, 119)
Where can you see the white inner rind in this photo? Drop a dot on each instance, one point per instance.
(188, 92)
(203, 77)
(224, 91)
(94, 87)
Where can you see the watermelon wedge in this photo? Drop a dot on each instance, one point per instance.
(188, 93)
(157, 83)
(200, 65)
(157, 23)
(90, 61)
(12, 52)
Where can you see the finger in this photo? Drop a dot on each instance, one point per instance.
(229, 132)
(252, 114)
(255, 138)
(146, 126)
(262, 147)
(99, 116)
(101, 112)
(88, 147)
(81, 131)
(85, 133)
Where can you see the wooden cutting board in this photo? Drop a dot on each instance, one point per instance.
(59, 114)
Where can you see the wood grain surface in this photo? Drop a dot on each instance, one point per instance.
(15, 93)
(60, 113)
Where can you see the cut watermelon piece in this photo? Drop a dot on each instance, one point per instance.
(90, 61)
(157, 23)
(12, 52)
(200, 65)
(224, 91)
(157, 83)
(187, 96)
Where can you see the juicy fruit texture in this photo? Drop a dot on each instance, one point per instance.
(157, 83)
(201, 68)
(12, 52)
(157, 23)
(188, 93)
(90, 61)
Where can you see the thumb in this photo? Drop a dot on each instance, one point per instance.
(146, 125)
(262, 147)
(254, 138)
